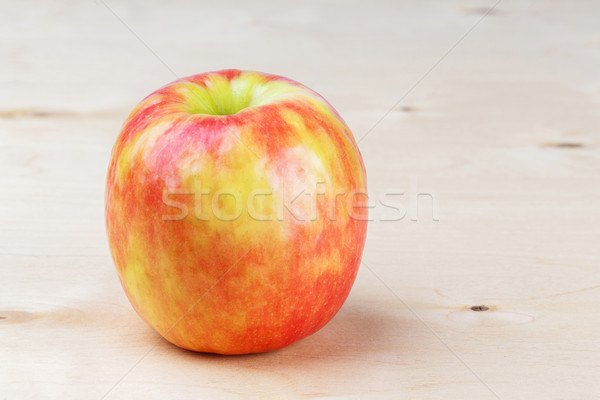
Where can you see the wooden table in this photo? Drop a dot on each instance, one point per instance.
(495, 115)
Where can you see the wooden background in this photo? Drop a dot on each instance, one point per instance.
(496, 115)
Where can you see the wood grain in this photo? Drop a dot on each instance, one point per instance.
(503, 132)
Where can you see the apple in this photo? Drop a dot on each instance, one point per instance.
(235, 211)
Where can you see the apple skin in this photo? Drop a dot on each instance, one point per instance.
(245, 284)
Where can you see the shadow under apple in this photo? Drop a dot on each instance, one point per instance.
(361, 346)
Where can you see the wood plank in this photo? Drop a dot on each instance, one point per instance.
(503, 131)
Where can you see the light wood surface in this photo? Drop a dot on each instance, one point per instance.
(501, 126)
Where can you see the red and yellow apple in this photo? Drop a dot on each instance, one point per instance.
(234, 211)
